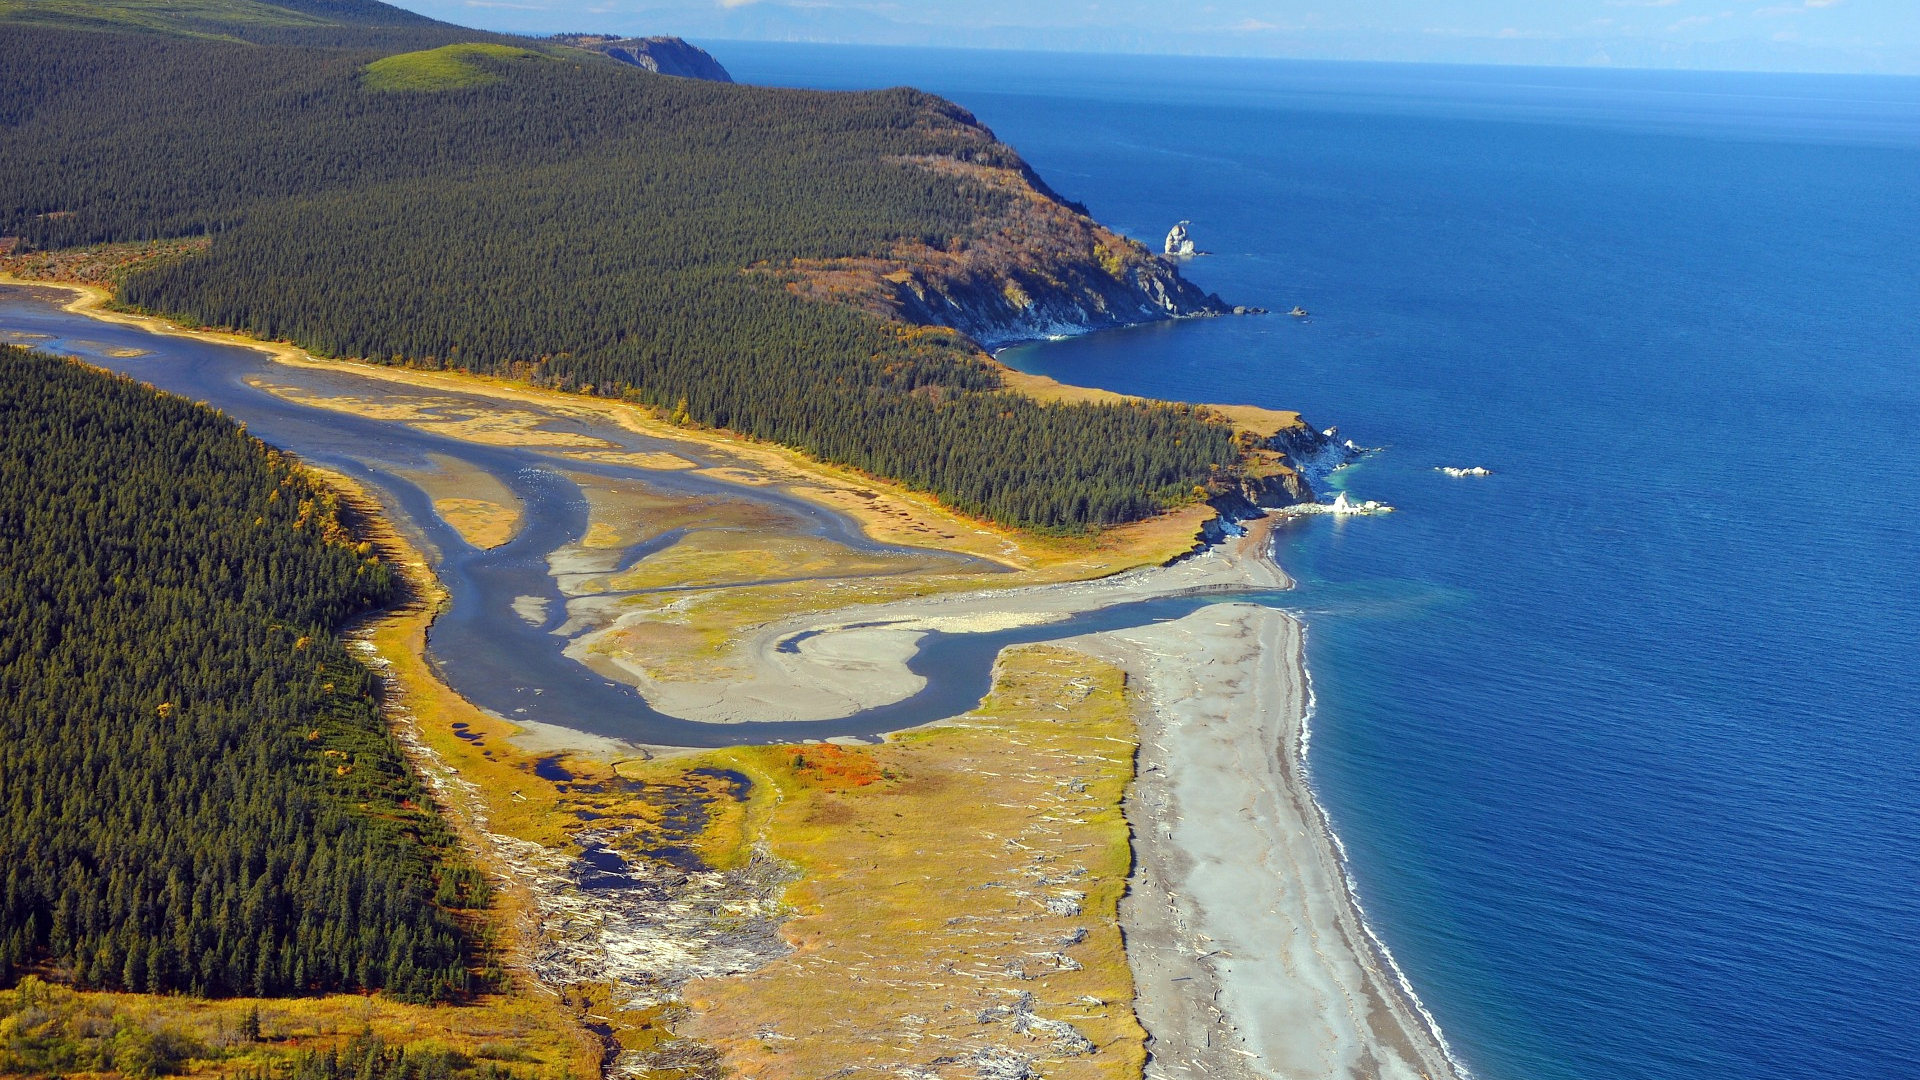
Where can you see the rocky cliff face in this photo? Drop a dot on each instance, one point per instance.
(1282, 469)
(1036, 266)
(663, 55)
(999, 300)
(1311, 451)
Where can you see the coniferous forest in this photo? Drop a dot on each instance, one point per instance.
(197, 791)
(552, 215)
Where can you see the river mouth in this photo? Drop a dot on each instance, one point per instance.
(564, 569)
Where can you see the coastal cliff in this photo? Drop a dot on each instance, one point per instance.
(1032, 266)
(1007, 295)
(661, 55)
(1281, 470)
(655, 227)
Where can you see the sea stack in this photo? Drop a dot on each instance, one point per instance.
(1179, 242)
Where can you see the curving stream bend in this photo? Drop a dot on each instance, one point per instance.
(502, 661)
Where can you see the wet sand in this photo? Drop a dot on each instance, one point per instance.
(822, 666)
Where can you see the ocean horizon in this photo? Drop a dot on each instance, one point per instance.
(1620, 739)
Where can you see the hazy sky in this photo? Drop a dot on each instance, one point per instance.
(1824, 35)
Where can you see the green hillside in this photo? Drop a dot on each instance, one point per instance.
(309, 22)
(550, 214)
(197, 790)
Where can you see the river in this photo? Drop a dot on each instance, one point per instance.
(481, 644)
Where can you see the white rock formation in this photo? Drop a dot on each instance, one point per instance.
(1180, 242)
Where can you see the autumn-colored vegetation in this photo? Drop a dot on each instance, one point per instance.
(99, 264)
(958, 891)
(827, 767)
(51, 1030)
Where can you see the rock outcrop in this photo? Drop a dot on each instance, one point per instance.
(1036, 266)
(1282, 469)
(662, 55)
(1001, 301)
(1180, 241)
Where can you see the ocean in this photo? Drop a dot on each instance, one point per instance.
(1621, 740)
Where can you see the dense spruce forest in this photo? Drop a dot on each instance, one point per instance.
(197, 791)
(553, 215)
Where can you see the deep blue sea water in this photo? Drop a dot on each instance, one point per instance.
(1622, 740)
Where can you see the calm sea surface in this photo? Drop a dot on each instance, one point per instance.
(1622, 740)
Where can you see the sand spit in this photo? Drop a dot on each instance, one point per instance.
(825, 666)
(1251, 959)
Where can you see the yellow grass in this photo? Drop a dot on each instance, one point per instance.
(480, 523)
(1264, 423)
(473, 501)
(528, 1035)
(623, 514)
(657, 462)
(452, 417)
(922, 901)
(509, 428)
(712, 557)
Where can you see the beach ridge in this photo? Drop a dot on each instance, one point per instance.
(1251, 956)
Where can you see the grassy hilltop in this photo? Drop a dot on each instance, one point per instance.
(381, 186)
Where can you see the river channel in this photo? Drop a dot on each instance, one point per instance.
(485, 644)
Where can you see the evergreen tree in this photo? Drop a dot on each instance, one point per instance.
(197, 790)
